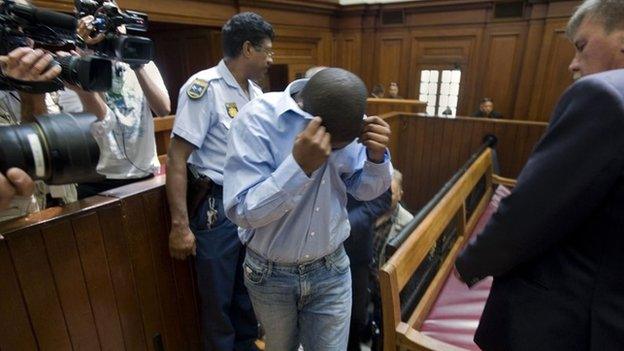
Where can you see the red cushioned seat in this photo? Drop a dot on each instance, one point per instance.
(455, 314)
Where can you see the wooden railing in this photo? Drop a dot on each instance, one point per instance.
(382, 106)
(428, 150)
(97, 275)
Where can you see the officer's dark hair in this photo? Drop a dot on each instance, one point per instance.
(339, 98)
(485, 99)
(242, 27)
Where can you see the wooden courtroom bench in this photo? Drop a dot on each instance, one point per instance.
(424, 306)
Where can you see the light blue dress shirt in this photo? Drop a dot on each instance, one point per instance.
(205, 121)
(293, 218)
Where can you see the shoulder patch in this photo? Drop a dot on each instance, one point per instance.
(197, 89)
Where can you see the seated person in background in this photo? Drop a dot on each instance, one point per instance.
(287, 175)
(393, 91)
(125, 128)
(378, 91)
(486, 109)
(359, 248)
(387, 227)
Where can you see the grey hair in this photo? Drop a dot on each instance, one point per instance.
(398, 176)
(608, 12)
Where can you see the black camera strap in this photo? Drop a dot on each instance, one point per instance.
(8, 83)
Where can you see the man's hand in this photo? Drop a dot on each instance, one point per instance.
(312, 147)
(181, 242)
(30, 65)
(16, 182)
(85, 29)
(375, 136)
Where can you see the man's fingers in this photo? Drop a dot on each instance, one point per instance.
(52, 73)
(320, 133)
(371, 144)
(313, 126)
(380, 138)
(375, 128)
(42, 64)
(22, 182)
(326, 143)
(17, 54)
(7, 191)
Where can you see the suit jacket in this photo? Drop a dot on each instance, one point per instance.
(493, 114)
(556, 245)
(362, 217)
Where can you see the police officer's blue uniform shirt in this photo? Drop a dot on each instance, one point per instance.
(207, 104)
(293, 218)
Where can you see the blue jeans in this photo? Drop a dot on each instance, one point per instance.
(227, 319)
(307, 304)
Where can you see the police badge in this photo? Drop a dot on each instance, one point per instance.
(197, 89)
(232, 109)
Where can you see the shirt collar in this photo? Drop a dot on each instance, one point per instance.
(224, 72)
(287, 103)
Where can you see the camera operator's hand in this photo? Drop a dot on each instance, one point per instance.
(375, 136)
(16, 182)
(182, 242)
(85, 29)
(312, 147)
(29, 65)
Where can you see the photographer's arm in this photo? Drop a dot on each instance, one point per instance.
(154, 89)
(92, 103)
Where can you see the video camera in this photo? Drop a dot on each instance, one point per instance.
(131, 49)
(25, 25)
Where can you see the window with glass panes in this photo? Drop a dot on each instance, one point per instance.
(440, 90)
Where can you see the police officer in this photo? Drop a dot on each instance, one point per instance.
(207, 103)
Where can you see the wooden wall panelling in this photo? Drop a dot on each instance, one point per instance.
(530, 61)
(124, 285)
(97, 275)
(64, 258)
(499, 76)
(137, 237)
(447, 48)
(154, 203)
(553, 76)
(432, 150)
(392, 60)
(16, 330)
(38, 287)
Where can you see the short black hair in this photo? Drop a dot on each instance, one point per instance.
(242, 27)
(339, 98)
(486, 99)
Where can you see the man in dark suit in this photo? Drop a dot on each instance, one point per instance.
(556, 245)
(486, 109)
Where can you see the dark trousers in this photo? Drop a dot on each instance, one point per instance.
(227, 318)
(360, 274)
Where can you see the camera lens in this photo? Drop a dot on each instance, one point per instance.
(58, 149)
(90, 73)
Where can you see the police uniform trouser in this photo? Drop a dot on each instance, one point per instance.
(227, 318)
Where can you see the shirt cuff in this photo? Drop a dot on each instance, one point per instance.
(378, 169)
(289, 177)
